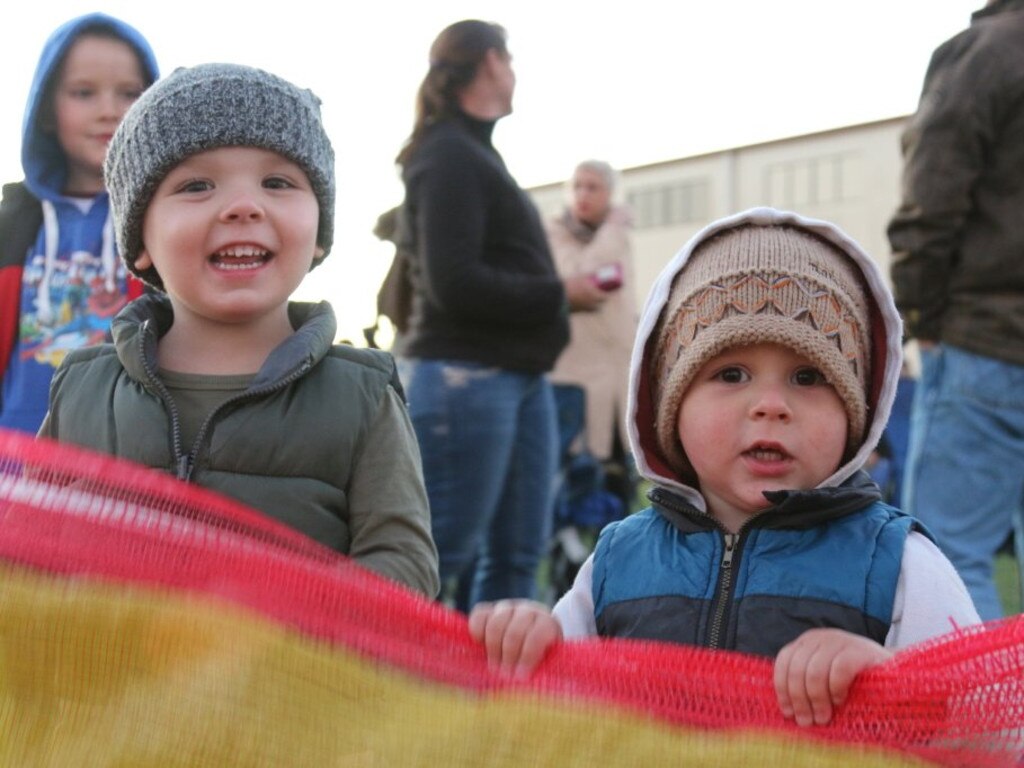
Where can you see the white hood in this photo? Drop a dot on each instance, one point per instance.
(886, 353)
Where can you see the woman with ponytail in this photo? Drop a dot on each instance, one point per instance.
(489, 319)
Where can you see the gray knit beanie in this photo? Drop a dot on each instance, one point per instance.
(755, 285)
(205, 107)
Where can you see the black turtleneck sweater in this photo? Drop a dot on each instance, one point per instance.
(486, 290)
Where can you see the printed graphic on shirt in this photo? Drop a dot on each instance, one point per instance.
(68, 306)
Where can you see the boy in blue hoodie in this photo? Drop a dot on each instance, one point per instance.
(61, 282)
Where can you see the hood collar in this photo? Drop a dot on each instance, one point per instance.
(145, 320)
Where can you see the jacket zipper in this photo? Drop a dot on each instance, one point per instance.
(185, 463)
(182, 470)
(723, 590)
(251, 394)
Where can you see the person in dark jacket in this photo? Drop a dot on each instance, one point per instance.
(958, 274)
(489, 319)
(221, 181)
(764, 369)
(60, 279)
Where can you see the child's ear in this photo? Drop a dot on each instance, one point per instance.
(143, 260)
(318, 253)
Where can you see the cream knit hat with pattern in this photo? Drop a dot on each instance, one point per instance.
(755, 285)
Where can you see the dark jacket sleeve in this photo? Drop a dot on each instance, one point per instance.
(944, 149)
(458, 274)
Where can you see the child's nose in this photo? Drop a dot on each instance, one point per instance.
(770, 403)
(111, 107)
(242, 207)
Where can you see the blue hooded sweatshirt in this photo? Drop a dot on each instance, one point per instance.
(71, 280)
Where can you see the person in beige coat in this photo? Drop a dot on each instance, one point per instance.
(592, 237)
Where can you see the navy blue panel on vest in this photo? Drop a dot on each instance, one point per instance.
(654, 581)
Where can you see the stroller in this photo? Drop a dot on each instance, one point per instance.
(585, 501)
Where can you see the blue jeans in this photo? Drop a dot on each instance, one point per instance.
(488, 439)
(965, 466)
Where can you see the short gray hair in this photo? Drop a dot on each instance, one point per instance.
(602, 169)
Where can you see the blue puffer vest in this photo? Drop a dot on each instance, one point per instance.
(675, 575)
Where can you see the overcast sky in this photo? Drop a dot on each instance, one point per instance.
(631, 82)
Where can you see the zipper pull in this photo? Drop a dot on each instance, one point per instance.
(184, 468)
(730, 548)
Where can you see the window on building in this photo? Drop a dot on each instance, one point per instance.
(809, 181)
(666, 205)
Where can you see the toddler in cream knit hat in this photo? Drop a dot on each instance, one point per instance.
(754, 286)
(763, 373)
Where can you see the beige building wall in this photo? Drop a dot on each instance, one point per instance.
(849, 176)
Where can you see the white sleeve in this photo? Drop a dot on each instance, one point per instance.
(575, 610)
(931, 598)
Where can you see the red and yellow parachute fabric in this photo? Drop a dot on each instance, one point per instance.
(148, 623)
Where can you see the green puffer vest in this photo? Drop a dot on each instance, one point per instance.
(279, 447)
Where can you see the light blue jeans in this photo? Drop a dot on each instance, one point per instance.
(965, 466)
(489, 441)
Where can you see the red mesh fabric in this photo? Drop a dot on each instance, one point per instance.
(958, 700)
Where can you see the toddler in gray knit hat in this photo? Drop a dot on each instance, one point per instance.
(221, 184)
(202, 108)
